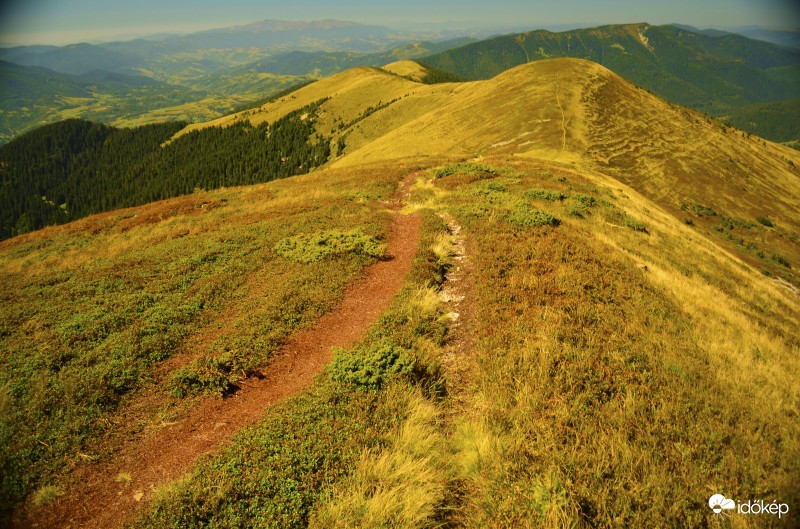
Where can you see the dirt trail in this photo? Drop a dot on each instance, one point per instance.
(458, 362)
(99, 501)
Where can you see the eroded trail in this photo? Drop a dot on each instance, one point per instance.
(99, 501)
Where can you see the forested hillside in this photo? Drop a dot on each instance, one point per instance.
(74, 168)
(779, 121)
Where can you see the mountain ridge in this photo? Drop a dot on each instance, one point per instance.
(682, 66)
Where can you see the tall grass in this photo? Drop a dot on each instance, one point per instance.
(402, 485)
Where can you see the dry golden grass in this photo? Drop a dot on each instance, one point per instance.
(351, 93)
(404, 485)
(697, 345)
(409, 69)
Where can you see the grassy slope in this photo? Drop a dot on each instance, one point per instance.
(624, 368)
(174, 296)
(620, 374)
(581, 113)
(627, 364)
(406, 68)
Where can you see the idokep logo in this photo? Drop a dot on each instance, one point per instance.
(719, 504)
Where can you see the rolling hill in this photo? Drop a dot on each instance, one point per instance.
(715, 74)
(599, 320)
(577, 112)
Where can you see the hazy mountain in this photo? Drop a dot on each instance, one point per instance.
(72, 59)
(318, 64)
(213, 82)
(789, 37)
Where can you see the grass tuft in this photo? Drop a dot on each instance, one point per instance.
(45, 495)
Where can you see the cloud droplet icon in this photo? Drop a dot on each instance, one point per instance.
(718, 503)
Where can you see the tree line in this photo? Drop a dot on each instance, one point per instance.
(74, 168)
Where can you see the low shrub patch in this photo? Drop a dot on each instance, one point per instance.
(311, 248)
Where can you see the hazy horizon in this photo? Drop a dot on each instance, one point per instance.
(60, 22)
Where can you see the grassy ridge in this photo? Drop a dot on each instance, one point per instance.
(623, 367)
(91, 310)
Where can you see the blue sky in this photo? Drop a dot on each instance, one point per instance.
(66, 21)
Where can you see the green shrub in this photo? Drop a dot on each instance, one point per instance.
(544, 194)
(576, 209)
(585, 200)
(311, 248)
(780, 260)
(703, 211)
(218, 375)
(531, 218)
(734, 222)
(765, 221)
(482, 171)
(635, 225)
(370, 367)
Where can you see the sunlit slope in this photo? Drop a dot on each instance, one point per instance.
(742, 189)
(576, 112)
(351, 93)
(409, 69)
(662, 149)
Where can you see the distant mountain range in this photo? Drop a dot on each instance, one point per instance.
(217, 48)
(189, 78)
(204, 75)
